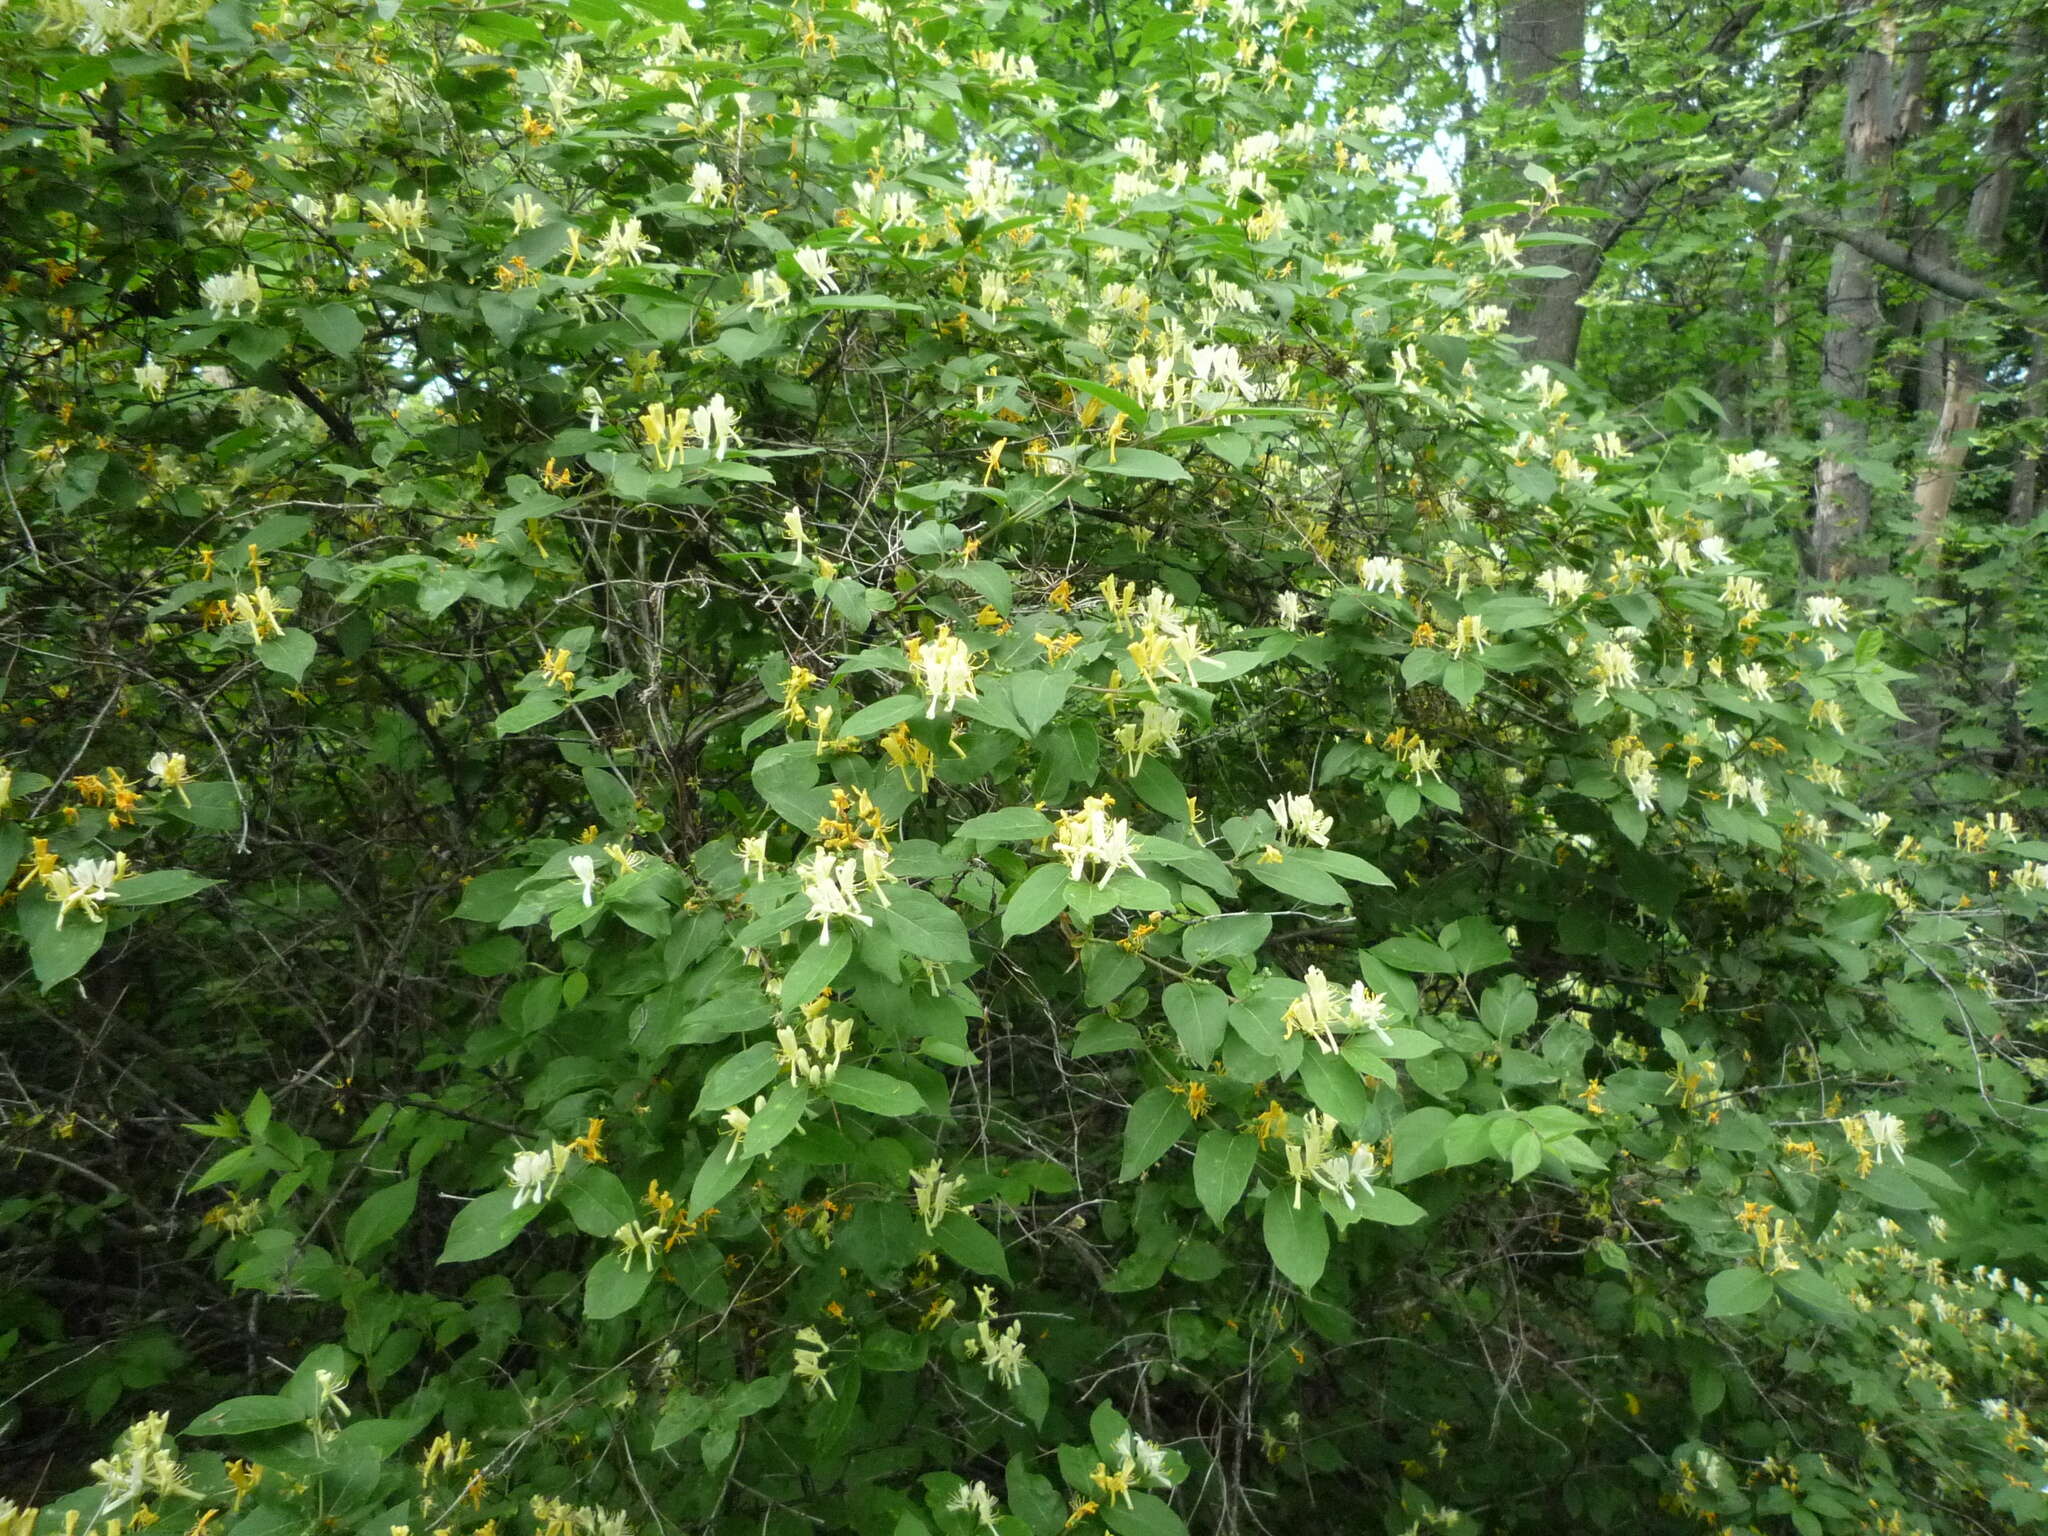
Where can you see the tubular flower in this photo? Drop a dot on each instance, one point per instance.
(1322, 1012)
(228, 293)
(636, 1242)
(85, 885)
(816, 264)
(974, 1499)
(1562, 586)
(1824, 612)
(1089, 836)
(1382, 573)
(807, 1363)
(1300, 821)
(584, 868)
(1306, 1157)
(141, 1465)
(153, 379)
(534, 1174)
(262, 612)
(168, 770)
(767, 291)
(734, 1123)
(715, 425)
(1348, 1175)
(943, 668)
(936, 1194)
(1157, 727)
(402, 217)
(831, 886)
(813, 1060)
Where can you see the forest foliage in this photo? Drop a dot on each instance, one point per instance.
(914, 768)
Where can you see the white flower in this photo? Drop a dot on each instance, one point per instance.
(226, 293)
(1614, 666)
(766, 291)
(1714, 550)
(943, 668)
(1822, 612)
(1561, 585)
(816, 264)
(716, 425)
(1382, 573)
(754, 856)
(527, 213)
(402, 216)
(636, 1242)
(1001, 1354)
(1487, 320)
(707, 186)
(1148, 1459)
(991, 188)
(534, 1174)
(1746, 593)
(169, 770)
(623, 245)
(85, 885)
(584, 868)
(1090, 836)
(976, 1500)
(153, 379)
(1500, 248)
(1748, 466)
(831, 887)
(1887, 1134)
(1639, 770)
(1297, 817)
(807, 1363)
(935, 1193)
(1349, 1174)
(1755, 679)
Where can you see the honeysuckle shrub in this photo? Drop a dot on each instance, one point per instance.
(958, 810)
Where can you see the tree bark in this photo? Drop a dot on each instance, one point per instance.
(1540, 42)
(1841, 510)
(2025, 497)
(1778, 288)
(1934, 491)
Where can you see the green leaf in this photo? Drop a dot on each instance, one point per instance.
(815, 968)
(596, 1201)
(1138, 464)
(1012, 824)
(925, 926)
(1233, 936)
(613, 1286)
(1223, 1166)
(484, 1226)
(1296, 877)
(379, 1218)
(1734, 1292)
(1199, 1014)
(56, 954)
(1145, 1515)
(1297, 1238)
(289, 653)
(972, 1246)
(1413, 954)
(247, 1416)
(883, 715)
(335, 326)
(1389, 1207)
(1155, 1123)
(159, 886)
(738, 1078)
(876, 1092)
(1037, 901)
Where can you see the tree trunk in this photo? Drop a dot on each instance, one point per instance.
(2025, 498)
(1778, 288)
(1934, 491)
(1841, 510)
(1539, 48)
